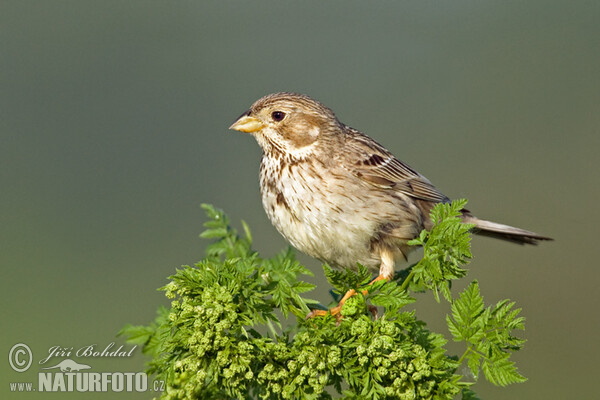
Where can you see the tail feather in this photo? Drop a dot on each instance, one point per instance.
(504, 232)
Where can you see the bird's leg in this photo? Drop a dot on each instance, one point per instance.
(386, 272)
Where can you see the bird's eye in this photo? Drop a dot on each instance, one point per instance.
(278, 115)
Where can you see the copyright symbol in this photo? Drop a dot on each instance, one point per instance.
(20, 357)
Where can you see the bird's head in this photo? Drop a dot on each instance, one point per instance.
(288, 123)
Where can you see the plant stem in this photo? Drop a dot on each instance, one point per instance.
(467, 351)
(406, 281)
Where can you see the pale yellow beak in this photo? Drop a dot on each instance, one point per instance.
(247, 123)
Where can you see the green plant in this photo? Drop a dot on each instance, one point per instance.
(223, 336)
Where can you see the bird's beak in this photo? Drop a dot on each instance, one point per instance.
(247, 123)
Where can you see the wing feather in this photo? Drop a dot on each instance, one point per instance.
(371, 162)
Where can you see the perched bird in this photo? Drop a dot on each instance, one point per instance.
(338, 195)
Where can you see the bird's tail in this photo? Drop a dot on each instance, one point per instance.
(501, 231)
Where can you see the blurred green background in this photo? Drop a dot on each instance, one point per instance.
(113, 127)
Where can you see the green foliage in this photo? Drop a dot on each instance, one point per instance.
(447, 247)
(237, 329)
(487, 332)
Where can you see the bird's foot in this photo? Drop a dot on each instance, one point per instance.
(337, 310)
(334, 311)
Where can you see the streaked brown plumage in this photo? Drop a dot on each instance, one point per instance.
(338, 195)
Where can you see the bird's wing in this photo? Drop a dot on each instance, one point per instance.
(371, 162)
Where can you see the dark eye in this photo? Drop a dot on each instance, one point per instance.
(278, 115)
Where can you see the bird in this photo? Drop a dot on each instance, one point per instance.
(338, 195)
